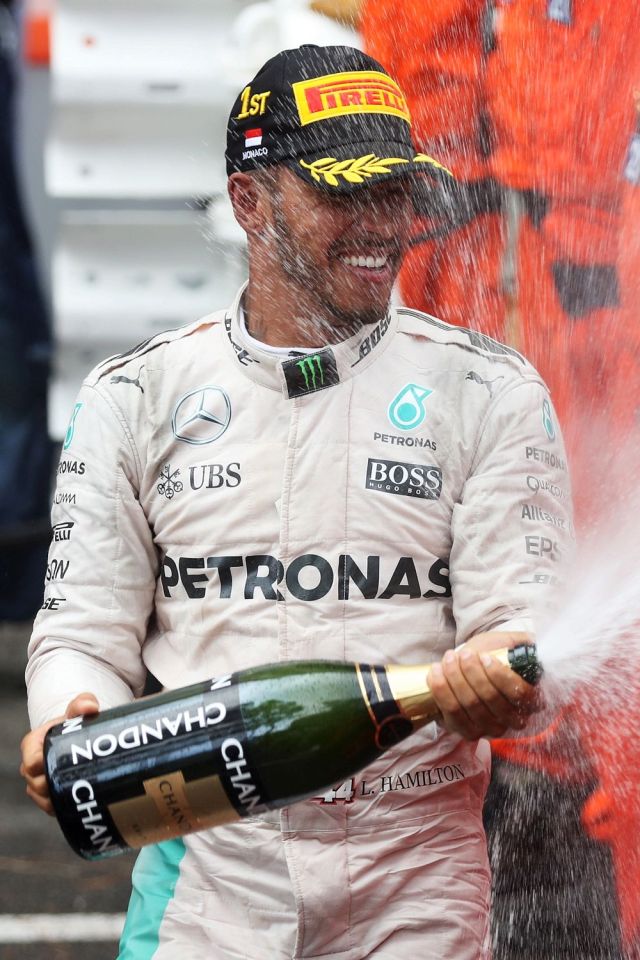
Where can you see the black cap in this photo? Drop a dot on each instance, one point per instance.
(331, 114)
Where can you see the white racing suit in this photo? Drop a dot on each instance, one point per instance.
(379, 501)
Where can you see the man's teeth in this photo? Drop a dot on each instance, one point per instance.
(371, 263)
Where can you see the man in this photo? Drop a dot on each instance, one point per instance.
(311, 473)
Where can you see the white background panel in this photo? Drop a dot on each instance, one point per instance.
(141, 50)
(130, 275)
(140, 152)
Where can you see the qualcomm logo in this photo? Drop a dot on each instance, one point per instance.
(406, 410)
(202, 415)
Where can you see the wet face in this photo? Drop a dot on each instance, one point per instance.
(339, 253)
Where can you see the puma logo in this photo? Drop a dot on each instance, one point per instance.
(472, 375)
(136, 382)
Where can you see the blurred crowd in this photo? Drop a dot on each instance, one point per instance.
(535, 107)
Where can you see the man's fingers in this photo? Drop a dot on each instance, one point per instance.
(451, 711)
(43, 802)
(507, 705)
(32, 754)
(522, 696)
(458, 703)
(38, 785)
(33, 764)
(32, 746)
(80, 706)
(476, 693)
(479, 696)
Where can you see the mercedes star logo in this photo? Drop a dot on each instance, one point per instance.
(202, 415)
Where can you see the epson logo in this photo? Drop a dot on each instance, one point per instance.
(404, 479)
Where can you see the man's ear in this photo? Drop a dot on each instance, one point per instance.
(247, 201)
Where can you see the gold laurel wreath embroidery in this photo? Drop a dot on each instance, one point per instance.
(354, 170)
(425, 158)
(357, 169)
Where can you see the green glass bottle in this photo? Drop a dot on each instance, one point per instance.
(231, 747)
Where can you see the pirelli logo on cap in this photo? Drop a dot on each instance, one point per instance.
(339, 94)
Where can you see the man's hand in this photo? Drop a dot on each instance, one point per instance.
(32, 766)
(477, 695)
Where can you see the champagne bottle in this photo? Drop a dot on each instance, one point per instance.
(231, 747)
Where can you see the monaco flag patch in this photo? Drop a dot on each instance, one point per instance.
(253, 138)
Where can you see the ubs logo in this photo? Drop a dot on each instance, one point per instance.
(211, 476)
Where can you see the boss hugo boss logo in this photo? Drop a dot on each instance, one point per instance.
(373, 339)
(404, 479)
(202, 415)
(243, 356)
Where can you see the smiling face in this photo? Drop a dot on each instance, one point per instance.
(331, 258)
(343, 251)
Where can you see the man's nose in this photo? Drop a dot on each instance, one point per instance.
(379, 218)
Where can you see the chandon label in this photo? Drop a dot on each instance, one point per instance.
(91, 819)
(124, 779)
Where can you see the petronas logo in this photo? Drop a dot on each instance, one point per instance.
(312, 370)
(547, 420)
(406, 410)
(68, 437)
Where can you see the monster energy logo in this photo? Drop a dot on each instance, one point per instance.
(309, 367)
(308, 374)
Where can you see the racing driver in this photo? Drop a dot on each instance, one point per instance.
(311, 473)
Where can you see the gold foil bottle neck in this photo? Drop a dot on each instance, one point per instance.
(411, 691)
